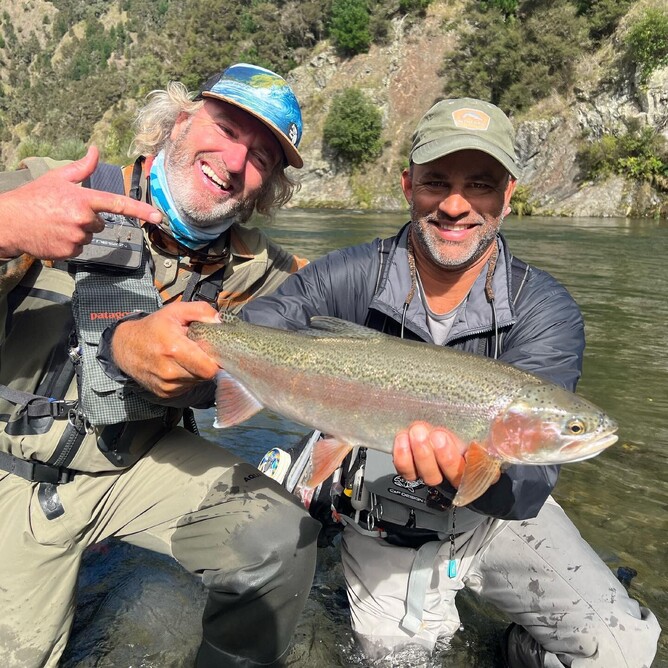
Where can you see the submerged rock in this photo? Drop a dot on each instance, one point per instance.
(135, 608)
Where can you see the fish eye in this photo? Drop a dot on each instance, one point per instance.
(575, 427)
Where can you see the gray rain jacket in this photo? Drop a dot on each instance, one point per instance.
(541, 332)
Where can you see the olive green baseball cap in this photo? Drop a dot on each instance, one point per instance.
(465, 123)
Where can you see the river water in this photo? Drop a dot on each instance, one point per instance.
(616, 270)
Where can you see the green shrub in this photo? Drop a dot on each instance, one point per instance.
(67, 149)
(349, 26)
(413, 6)
(506, 6)
(521, 201)
(647, 42)
(514, 61)
(640, 154)
(353, 127)
(602, 15)
(119, 138)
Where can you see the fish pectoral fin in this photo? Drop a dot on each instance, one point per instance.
(480, 472)
(328, 453)
(234, 403)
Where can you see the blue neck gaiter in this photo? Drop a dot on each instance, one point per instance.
(188, 235)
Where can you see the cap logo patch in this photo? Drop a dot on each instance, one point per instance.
(471, 119)
(293, 133)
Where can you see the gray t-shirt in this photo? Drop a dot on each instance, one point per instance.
(439, 324)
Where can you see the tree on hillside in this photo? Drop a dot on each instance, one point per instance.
(209, 38)
(349, 26)
(515, 60)
(353, 127)
(602, 15)
(647, 41)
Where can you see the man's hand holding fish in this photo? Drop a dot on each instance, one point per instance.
(427, 452)
(157, 354)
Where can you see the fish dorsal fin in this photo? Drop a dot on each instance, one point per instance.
(234, 403)
(480, 472)
(343, 328)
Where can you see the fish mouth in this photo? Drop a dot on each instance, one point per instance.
(588, 450)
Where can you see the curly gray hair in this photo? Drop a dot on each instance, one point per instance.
(153, 126)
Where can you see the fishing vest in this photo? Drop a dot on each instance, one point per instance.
(61, 413)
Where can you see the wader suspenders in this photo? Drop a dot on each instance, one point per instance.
(38, 411)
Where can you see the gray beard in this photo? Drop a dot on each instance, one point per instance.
(432, 251)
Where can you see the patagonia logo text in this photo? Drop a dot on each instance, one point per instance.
(107, 315)
(471, 119)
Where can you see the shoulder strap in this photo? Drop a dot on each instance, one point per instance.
(106, 177)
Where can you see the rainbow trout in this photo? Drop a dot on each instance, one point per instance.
(361, 387)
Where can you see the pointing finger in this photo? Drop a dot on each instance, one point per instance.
(100, 201)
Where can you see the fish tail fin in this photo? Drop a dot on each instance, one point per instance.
(234, 403)
(328, 453)
(480, 472)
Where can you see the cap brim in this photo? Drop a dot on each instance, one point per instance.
(439, 148)
(290, 152)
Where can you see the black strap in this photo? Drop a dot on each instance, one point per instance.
(189, 421)
(37, 406)
(35, 471)
(135, 183)
(106, 177)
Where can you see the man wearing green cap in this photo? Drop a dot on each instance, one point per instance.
(449, 278)
(84, 455)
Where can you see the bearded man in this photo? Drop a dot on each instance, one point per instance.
(83, 455)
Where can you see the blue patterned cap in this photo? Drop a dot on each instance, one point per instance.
(265, 95)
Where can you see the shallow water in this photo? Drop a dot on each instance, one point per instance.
(616, 271)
